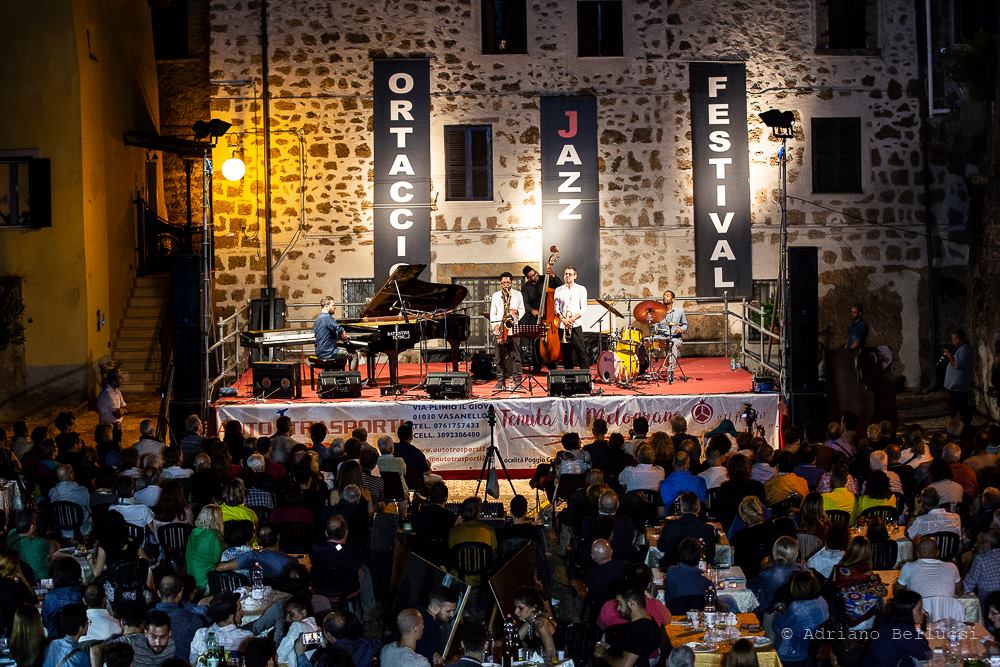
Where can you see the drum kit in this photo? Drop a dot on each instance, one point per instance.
(635, 355)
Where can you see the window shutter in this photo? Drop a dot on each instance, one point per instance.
(455, 175)
(40, 193)
(836, 154)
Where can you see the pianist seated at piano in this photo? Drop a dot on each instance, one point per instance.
(329, 333)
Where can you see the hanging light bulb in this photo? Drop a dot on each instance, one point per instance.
(234, 168)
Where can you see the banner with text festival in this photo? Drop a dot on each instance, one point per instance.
(454, 434)
(721, 179)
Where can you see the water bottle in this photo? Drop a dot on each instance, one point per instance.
(710, 599)
(213, 652)
(257, 581)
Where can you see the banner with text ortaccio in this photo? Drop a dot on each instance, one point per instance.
(454, 434)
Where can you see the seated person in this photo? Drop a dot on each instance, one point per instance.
(806, 611)
(933, 579)
(751, 544)
(932, 517)
(609, 525)
(643, 475)
(635, 642)
(328, 333)
(824, 560)
(687, 524)
(681, 480)
(469, 528)
(538, 626)
(638, 575)
(605, 577)
(772, 580)
(685, 580)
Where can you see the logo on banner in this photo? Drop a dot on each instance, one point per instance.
(702, 412)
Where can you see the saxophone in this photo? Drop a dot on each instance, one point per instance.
(507, 320)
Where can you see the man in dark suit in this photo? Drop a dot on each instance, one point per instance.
(687, 524)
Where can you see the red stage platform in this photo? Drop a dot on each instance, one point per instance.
(708, 375)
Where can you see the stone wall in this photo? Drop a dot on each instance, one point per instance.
(321, 79)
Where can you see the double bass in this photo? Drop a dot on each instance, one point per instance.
(549, 346)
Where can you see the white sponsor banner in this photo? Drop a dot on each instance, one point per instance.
(454, 434)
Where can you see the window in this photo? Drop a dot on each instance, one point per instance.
(170, 29)
(836, 154)
(973, 17)
(505, 26)
(846, 25)
(598, 28)
(469, 156)
(25, 200)
(355, 290)
(480, 292)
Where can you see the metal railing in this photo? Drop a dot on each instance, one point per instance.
(759, 355)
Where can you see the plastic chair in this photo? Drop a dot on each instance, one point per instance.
(472, 560)
(839, 516)
(173, 537)
(225, 582)
(947, 542)
(808, 545)
(885, 513)
(69, 517)
(884, 554)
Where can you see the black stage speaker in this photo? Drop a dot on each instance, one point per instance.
(482, 366)
(339, 384)
(570, 383)
(185, 308)
(449, 385)
(276, 379)
(185, 291)
(258, 320)
(803, 315)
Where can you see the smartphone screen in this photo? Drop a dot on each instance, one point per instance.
(312, 638)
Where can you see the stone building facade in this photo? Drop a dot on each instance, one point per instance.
(872, 244)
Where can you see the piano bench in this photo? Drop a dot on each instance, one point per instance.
(326, 365)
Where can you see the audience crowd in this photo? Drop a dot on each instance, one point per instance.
(280, 550)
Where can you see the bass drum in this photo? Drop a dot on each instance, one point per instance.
(628, 341)
(615, 367)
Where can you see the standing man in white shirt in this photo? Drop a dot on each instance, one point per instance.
(506, 308)
(111, 405)
(571, 301)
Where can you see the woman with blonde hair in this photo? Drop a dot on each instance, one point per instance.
(27, 637)
(205, 544)
(14, 589)
(784, 564)
(752, 544)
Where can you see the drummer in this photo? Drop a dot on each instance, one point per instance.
(672, 326)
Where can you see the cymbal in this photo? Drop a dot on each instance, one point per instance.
(643, 308)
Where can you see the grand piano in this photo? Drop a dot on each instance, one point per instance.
(403, 312)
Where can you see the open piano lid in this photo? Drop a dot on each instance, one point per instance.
(418, 294)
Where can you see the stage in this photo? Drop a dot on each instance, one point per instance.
(454, 433)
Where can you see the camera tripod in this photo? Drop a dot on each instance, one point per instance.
(491, 458)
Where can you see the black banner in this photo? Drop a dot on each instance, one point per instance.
(721, 179)
(402, 129)
(570, 216)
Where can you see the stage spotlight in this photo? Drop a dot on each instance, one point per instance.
(213, 128)
(780, 122)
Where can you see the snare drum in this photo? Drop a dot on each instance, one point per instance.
(657, 346)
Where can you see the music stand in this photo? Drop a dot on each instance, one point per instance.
(531, 331)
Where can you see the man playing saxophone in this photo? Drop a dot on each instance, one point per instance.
(506, 308)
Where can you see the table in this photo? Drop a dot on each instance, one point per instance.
(970, 603)
(254, 609)
(682, 634)
(970, 644)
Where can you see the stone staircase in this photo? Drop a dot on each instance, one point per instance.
(137, 346)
